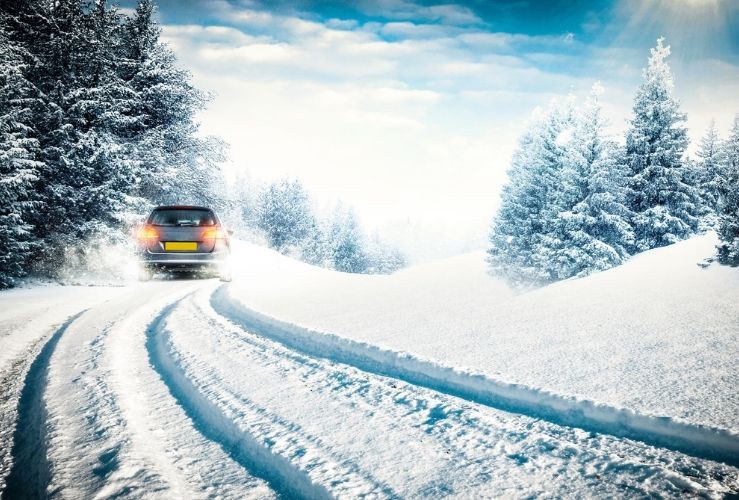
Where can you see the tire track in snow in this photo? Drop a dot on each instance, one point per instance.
(269, 354)
(697, 440)
(113, 429)
(11, 384)
(29, 474)
(88, 435)
(90, 438)
(161, 433)
(253, 455)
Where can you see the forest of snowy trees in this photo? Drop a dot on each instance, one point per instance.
(284, 214)
(96, 125)
(578, 202)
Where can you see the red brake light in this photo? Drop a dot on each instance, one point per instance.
(147, 233)
(214, 234)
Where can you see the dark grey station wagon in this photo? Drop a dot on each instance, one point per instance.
(183, 238)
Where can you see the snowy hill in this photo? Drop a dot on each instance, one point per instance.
(656, 336)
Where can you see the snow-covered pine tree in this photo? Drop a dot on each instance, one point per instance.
(86, 177)
(728, 214)
(284, 214)
(592, 230)
(315, 249)
(709, 171)
(52, 32)
(243, 194)
(101, 110)
(345, 241)
(174, 163)
(523, 235)
(665, 206)
(381, 257)
(514, 225)
(19, 153)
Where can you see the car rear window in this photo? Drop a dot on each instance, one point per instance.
(182, 217)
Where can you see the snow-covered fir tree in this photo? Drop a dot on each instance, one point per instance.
(666, 207)
(315, 247)
(19, 153)
(284, 214)
(728, 210)
(85, 177)
(285, 217)
(382, 258)
(708, 171)
(174, 164)
(523, 233)
(346, 248)
(591, 230)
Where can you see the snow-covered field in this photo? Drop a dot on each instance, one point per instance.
(436, 381)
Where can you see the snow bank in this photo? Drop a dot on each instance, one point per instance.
(717, 444)
(655, 338)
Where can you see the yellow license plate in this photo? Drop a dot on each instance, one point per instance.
(180, 246)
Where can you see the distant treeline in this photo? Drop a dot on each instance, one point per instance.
(96, 124)
(577, 202)
(284, 215)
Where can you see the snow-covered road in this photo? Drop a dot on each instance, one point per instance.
(150, 391)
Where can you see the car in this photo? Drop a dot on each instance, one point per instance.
(180, 238)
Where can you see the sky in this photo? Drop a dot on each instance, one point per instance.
(409, 110)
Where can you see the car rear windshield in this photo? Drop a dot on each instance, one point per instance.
(182, 217)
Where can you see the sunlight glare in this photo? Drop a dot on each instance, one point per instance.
(697, 28)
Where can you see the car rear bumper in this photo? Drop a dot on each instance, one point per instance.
(183, 260)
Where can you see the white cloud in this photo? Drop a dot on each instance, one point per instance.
(252, 53)
(407, 10)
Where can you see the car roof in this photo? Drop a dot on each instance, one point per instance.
(181, 207)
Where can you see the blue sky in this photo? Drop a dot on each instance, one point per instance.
(409, 110)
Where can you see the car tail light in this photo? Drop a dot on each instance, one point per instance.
(214, 234)
(147, 233)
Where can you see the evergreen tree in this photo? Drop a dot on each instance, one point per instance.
(346, 243)
(86, 176)
(382, 258)
(174, 164)
(728, 215)
(284, 214)
(592, 230)
(666, 207)
(53, 32)
(523, 233)
(314, 248)
(708, 170)
(19, 153)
